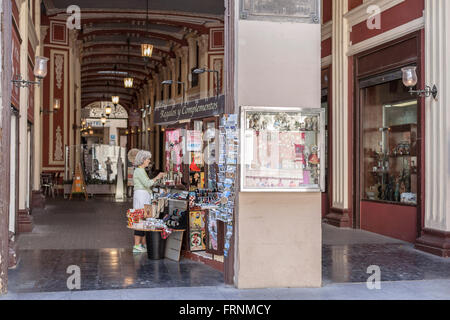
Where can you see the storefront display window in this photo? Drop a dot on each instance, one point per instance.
(174, 155)
(196, 161)
(211, 158)
(282, 149)
(389, 137)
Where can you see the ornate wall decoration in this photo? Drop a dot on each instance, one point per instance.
(59, 155)
(59, 61)
(97, 110)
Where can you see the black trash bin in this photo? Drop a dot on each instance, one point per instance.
(155, 245)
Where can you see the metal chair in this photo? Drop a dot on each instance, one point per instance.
(48, 187)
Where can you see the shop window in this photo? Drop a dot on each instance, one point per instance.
(389, 143)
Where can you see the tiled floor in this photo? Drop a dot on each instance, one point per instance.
(92, 235)
(102, 269)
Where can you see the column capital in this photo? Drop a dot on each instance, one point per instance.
(44, 31)
(203, 43)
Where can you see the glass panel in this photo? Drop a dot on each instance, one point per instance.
(282, 150)
(389, 138)
(211, 159)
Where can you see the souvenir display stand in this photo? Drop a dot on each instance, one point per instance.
(191, 189)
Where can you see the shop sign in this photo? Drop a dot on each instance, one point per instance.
(190, 110)
(134, 119)
(303, 11)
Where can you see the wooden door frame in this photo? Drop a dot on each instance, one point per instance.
(357, 121)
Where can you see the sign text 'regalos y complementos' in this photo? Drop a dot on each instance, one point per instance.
(190, 110)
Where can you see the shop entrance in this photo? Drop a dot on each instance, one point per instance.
(388, 144)
(169, 52)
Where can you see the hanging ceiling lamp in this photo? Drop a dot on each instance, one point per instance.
(108, 107)
(115, 99)
(146, 48)
(128, 82)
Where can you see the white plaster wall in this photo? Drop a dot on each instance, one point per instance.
(279, 236)
(278, 64)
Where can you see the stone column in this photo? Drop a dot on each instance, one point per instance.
(24, 219)
(191, 56)
(78, 99)
(184, 68)
(5, 122)
(158, 143)
(436, 233)
(339, 211)
(38, 199)
(170, 76)
(288, 224)
(73, 34)
(151, 119)
(203, 43)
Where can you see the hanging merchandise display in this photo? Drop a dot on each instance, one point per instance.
(228, 155)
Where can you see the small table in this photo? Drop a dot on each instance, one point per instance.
(155, 244)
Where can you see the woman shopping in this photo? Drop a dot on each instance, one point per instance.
(142, 192)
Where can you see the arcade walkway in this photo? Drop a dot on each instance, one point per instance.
(92, 235)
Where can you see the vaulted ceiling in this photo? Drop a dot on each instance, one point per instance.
(112, 32)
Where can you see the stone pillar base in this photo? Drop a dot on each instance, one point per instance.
(12, 257)
(435, 242)
(338, 218)
(25, 221)
(37, 200)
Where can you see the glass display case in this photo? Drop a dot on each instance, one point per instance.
(390, 145)
(282, 149)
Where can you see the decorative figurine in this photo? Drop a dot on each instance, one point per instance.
(314, 124)
(308, 124)
(313, 158)
(397, 190)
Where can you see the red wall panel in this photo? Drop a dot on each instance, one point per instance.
(395, 221)
(326, 47)
(390, 19)
(327, 10)
(354, 3)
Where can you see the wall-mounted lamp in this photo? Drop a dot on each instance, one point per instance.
(56, 107)
(170, 82)
(103, 120)
(410, 80)
(203, 70)
(40, 71)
